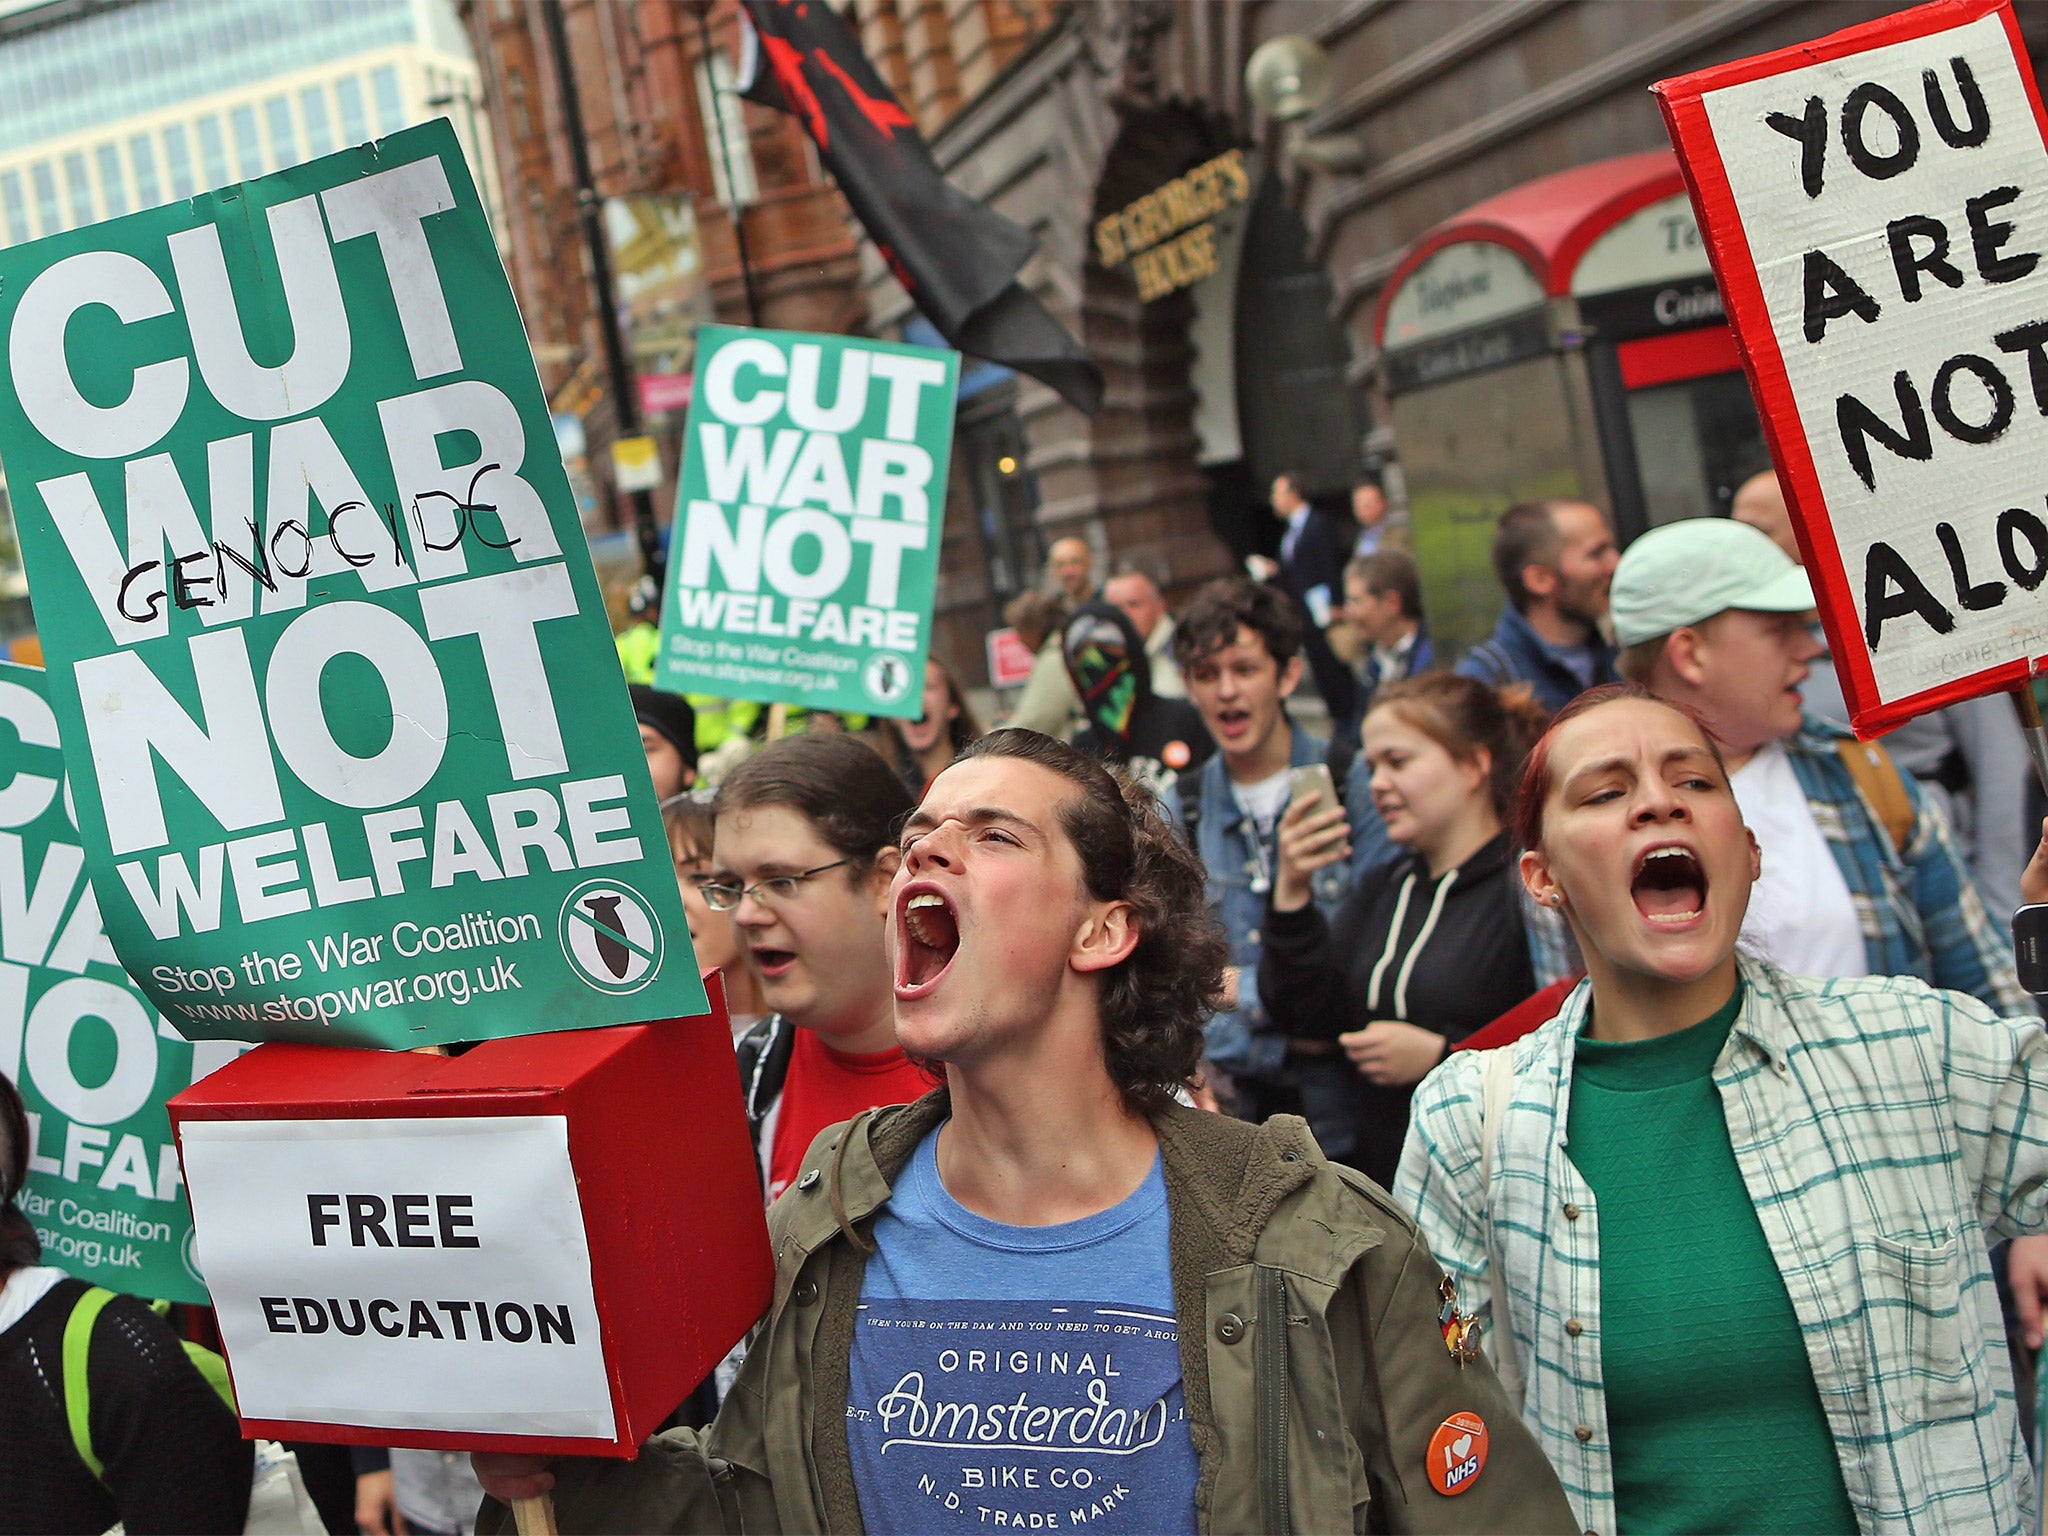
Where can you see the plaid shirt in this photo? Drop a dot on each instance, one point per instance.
(1920, 911)
(1883, 1132)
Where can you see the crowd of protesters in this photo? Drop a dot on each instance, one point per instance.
(1586, 1049)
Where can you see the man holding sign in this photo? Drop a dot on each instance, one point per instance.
(1712, 614)
(1049, 1294)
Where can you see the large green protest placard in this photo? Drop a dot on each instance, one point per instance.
(94, 1061)
(352, 757)
(806, 542)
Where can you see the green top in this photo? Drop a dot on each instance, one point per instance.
(1711, 1406)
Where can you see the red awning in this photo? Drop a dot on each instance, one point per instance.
(1548, 222)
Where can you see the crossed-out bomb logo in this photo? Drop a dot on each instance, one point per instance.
(610, 936)
(887, 677)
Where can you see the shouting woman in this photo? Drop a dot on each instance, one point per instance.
(1725, 1225)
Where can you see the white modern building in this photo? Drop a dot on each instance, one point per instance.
(112, 106)
(109, 106)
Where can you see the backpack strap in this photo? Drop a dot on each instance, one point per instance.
(1877, 777)
(77, 1390)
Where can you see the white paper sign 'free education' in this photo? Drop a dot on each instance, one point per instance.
(438, 1264)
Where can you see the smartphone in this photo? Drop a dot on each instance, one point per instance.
(2030, 946)
(1314, 783)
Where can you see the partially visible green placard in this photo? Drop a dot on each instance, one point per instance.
(92, 1058)
(806, 543)
(352, 756)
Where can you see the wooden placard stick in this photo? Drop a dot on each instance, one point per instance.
(2030, 727)
(535, 1516)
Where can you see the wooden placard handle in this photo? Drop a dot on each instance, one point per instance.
(2037, 739)
(535, 1516)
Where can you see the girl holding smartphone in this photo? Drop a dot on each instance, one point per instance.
(1426, 949)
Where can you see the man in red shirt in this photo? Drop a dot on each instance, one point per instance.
(802, 856)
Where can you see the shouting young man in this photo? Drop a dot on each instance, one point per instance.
(1047, 1295)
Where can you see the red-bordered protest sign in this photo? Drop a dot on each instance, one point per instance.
(1875, 205)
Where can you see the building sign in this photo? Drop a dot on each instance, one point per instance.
(1657, 244)
(1647, 275)
(1876, 205)
(1465, 284)
(1168, 235)
(659, 263)
(94, 1061)
(806, 549)
(350, 751)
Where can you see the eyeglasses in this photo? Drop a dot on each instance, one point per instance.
(775, 890)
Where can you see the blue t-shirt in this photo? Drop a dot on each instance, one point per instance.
(1023, 1378)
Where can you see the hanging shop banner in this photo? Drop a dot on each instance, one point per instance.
(93, 1060)
(352, 758)
(808, 521)
(1876, 208)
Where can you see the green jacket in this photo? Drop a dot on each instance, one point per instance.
(1321, 1426)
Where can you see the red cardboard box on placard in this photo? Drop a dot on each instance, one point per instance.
(541, 1245)
(1875, 205)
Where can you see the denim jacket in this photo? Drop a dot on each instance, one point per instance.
(1241, 1040)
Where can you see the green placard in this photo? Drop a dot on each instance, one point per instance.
(94, 1061)
(808, 515)
(352, 757)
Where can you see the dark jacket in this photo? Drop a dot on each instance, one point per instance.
(1318, 560)
(1449, 954)
(1319, 1424)
(1515, 653)
(173, 1457)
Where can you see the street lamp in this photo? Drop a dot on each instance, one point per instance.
(1288, 78)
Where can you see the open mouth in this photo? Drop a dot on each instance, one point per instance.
(1669, 885)
(774, 963)
(930, 934)
(1230, 721)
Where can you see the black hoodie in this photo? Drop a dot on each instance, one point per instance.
(1449, 954)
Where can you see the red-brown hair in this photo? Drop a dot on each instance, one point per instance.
(1536, 781)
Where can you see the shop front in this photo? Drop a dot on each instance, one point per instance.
(1564, 338)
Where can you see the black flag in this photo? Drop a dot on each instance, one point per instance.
(957, 259)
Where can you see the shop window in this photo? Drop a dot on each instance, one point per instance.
(1695, 441)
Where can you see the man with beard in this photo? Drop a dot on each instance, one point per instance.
(1049, 1294)
(1554, 559)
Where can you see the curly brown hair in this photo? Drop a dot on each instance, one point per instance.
(1156, 1001)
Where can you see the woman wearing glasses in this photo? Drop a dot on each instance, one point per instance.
(802, 856)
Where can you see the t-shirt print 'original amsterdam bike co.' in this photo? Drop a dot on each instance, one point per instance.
(1019, 1415)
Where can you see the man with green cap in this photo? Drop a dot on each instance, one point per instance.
(1861, 877)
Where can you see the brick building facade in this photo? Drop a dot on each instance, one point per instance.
(1060, 113)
